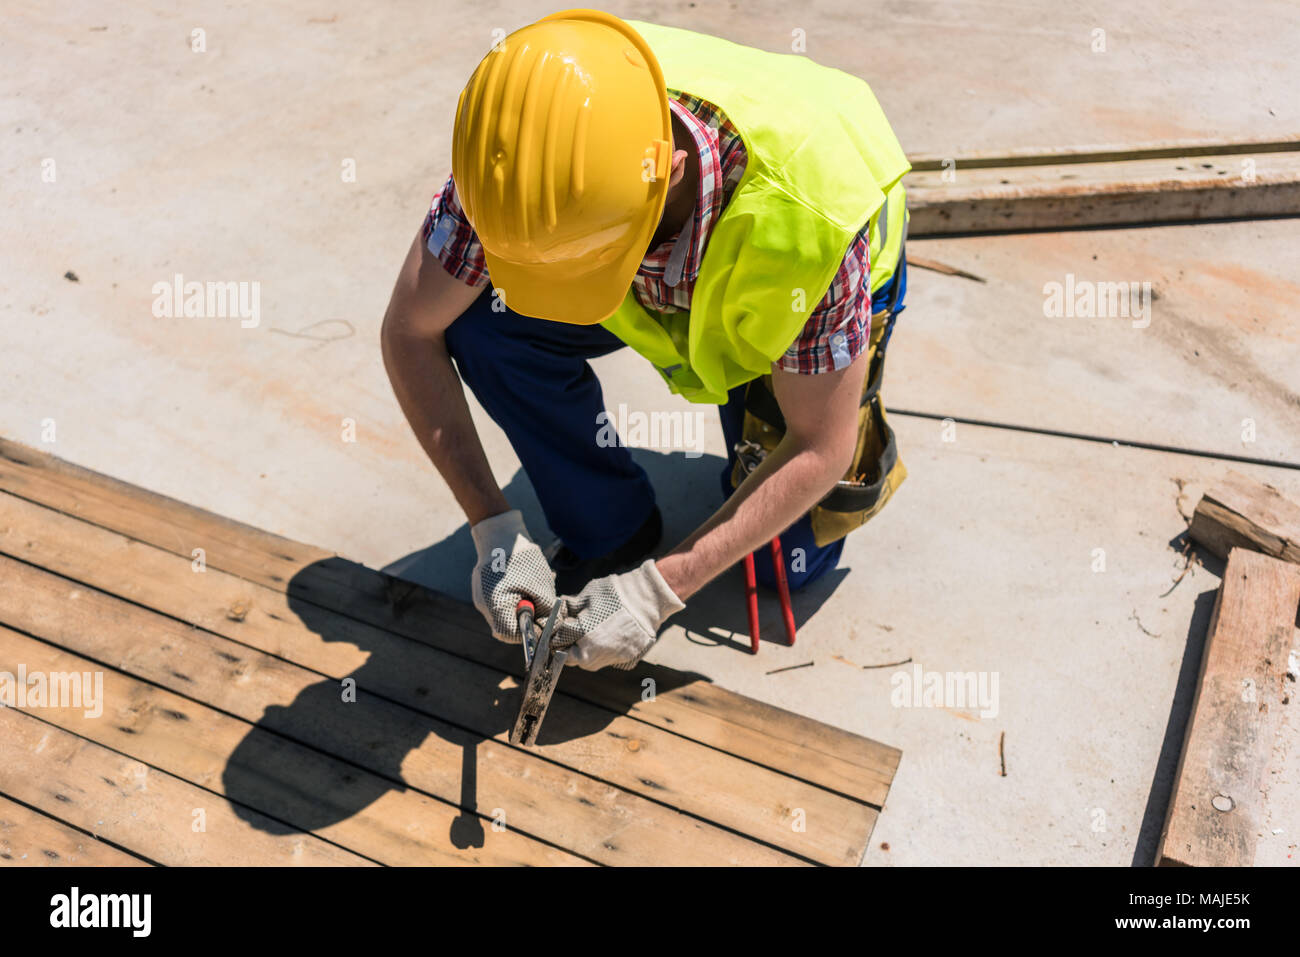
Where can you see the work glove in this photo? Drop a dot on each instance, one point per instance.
(509, 567)
(615, 619)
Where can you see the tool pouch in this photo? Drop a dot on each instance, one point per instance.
(876, 472)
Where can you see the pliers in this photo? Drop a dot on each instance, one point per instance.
(782, 590)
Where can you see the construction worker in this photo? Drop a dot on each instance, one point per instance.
(734, 216)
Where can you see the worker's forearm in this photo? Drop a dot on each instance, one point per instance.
(433, 400)
(789, 481)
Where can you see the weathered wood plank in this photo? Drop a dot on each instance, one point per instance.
(141, 808)
(31, 839)
(772, 737)
(563, 807)
(1240, 512)
(664, 767)
(278, 777)
(1215, 808)
(980, 198)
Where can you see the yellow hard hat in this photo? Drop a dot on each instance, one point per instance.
(561, 156)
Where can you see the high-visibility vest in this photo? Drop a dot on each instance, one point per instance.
(821, 160)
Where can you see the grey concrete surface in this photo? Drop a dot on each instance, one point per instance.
(1205, 357)
(227, 165)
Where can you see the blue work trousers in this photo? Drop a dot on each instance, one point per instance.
(533, 378)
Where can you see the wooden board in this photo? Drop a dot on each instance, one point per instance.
(1240, 512)
(1215, 809)
(230, 659)
(31, 839)
(1100, 188)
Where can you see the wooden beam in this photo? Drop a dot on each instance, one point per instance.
(1215, 810)
(1102, 189)
(1240, 512)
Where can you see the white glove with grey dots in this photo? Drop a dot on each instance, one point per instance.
(509, 567)
(616, 619)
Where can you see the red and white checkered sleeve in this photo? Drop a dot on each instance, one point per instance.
(450, 237)
(839, 329)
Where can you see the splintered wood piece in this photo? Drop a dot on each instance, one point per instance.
(1240, 512)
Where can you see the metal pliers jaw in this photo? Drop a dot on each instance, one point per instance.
(544, 664)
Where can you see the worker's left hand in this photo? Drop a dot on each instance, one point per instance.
(615, 619)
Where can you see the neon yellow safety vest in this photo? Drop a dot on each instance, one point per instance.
(821, 159)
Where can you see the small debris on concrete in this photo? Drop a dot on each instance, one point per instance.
(806, 664)
(890, 664)
(935, 266)
(1189, 559)
(71, 276)
(1002, 753)
(1186, 507)
(1135, 617)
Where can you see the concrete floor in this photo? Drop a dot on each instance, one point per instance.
(225, 165)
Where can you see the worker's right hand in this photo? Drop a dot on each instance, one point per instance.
(509, 567)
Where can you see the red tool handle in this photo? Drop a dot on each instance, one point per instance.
(751, 599)
(525, 607)
(783, 589)
(524, 612)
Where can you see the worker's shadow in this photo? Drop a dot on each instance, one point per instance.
(432, 668)
(688, 492)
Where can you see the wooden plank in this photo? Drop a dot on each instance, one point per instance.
(278, 777)
(563, 807)
(1215, 808)
(31, 839)
(665, 767)
(1240, 512)
(1110, 193)
(141, 808)
(820, 754)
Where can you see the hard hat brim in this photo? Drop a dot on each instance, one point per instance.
(543, 291)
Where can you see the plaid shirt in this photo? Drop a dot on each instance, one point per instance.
(836, 332)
